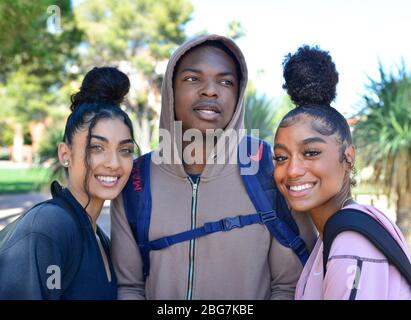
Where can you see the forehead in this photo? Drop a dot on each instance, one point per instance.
(206, 57)
(114, 129)
(303, 126)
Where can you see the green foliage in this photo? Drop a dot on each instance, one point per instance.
(23, 180)
(6, 134)
(236, 30)
(48, 152)
(383, 135)
(383, 139)
(25, 39)
(261, 113)
(137, 34)
(33, 61)
(126, 29)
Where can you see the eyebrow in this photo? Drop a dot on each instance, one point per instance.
(106, 140)
(279, 146)
(225, 73)
(304, 142)
(313, 140)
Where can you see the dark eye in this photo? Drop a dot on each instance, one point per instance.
(127, 150)
(227, 83)
(280, 158)
(191, 79)
(311, 153)
(96, 147)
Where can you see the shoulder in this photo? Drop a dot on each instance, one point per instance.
(48, 220)
(353, 245)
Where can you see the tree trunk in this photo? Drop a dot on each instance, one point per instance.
(404, 215)
(17, 154)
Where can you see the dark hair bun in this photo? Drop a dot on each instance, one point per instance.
(105, 84)
(310, 76)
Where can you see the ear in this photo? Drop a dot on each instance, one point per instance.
(64, 154)
(349, 154)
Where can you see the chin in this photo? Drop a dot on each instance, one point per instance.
(301, 207)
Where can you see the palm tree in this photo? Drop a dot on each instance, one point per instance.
(261, 113)
(383, 139)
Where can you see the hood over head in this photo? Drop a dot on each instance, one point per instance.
(167, 118)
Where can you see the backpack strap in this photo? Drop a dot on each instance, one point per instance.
(268, 202)
(137, 205)
(226, 224)
(363, 223)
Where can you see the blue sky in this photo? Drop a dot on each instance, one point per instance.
(357, 33)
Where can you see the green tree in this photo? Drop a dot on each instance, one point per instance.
(25, 39)
(34, 62)
(264, 114)
(138, 36)
(383, 139)
(236, 30)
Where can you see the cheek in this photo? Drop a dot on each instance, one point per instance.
(333, 175)
(279, 174)
(127, 165)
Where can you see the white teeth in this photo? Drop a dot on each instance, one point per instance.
(207, 111)
(107, 178)
(302, 187)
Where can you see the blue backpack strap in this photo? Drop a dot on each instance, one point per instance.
(361, 222)
(137, 205)
(265, 197)
(226, 224)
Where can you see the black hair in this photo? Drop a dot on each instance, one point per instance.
(100, 95)
(310, 80)
(215, 44)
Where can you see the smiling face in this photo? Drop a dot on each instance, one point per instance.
(205, 89)
(308, 167)
(110, 159)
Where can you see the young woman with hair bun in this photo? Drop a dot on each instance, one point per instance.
(314, 158)
(56, 250)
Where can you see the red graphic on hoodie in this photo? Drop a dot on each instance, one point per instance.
(258, 155)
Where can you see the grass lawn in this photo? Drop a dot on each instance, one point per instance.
(23, 180)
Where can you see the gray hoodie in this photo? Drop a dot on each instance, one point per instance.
(244, 263)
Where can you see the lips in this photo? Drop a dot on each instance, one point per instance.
(108, 180)
(207, 111)
(300, 189)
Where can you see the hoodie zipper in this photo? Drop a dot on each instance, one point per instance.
(194, 186)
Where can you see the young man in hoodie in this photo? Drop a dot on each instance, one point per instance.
(204, 89)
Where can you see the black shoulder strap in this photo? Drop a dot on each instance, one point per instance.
(356, 220)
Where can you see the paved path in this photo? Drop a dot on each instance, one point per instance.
(12, 205)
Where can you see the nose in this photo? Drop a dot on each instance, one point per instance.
(112, 161)
(209, 89)
(295, 168)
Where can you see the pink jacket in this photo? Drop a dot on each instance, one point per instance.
(356, 269)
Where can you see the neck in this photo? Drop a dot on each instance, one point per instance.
(94, 206)
(322, 213)
(198, 152)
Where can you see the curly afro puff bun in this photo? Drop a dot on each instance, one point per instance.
(310, 76)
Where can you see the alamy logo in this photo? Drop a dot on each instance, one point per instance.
(54, 280)
(54, 21)
(353, 281)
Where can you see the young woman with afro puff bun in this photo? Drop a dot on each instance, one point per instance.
(314, 158)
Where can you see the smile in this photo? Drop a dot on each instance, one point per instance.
(207, 112)
(301, 187)
(108, 181)
(300, 190)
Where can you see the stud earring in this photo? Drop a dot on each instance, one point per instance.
(66, 163)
